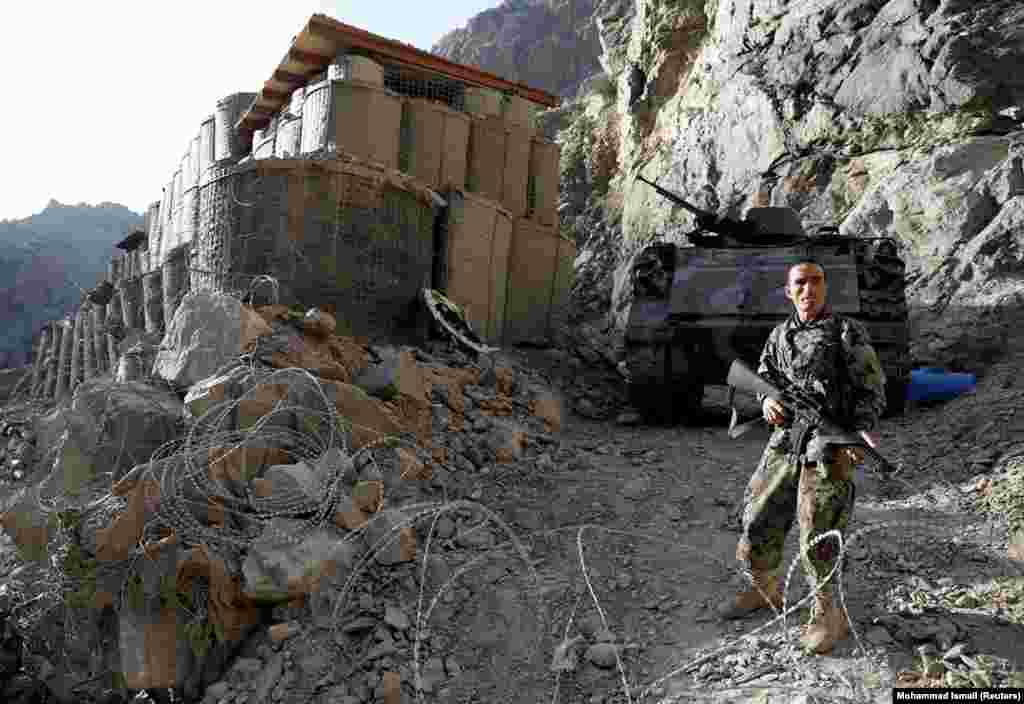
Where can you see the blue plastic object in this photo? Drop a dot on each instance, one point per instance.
(936, 384)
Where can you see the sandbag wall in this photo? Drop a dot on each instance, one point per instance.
(353, 232)
(471, 260)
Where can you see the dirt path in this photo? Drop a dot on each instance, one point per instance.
(659, 506)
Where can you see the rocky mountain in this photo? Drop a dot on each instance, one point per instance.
(46, 260)
(549, 44)
(900, 118)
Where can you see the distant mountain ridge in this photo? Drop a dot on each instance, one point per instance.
(552, 45)
(46, 261)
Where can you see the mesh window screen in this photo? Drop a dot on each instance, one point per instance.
(417, 84)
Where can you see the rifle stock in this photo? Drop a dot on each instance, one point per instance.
(746, 379)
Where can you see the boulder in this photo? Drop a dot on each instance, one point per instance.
(280, 567)
(110, 427)
(396, 373)
(209, 329)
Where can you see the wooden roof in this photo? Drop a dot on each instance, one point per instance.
(324, 37)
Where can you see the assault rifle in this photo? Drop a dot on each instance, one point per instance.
(806, 412)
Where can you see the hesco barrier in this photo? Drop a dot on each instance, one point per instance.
(433, 144)
(531, 276)
(53, 361)
(131, 366)
(472, 260)
(88, 344)
(153, 300)
(64, 361)
(75, 375)
(131, 303)
(485, 102)
(153, 233)
(499, 162)
(355, 118)
(194, 151)
(288, 142)
(316, 110)
(99, 336)
(352, 67)
(207, 147)
(517, 111)
(67, 341)
(166, 220)
(542, 189)
(115, 326)
(564, 277)
(264, 140)
(41, 347)
(186, 170)
(175, 280)
(516, 170)
(217, 201)
(296, 101)
(356, 236)
(114, 268)
(226, 142)
(189, 217)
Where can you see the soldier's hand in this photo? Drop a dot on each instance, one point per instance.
(856, 454)
(773, 411)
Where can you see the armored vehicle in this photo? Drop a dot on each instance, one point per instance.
(695, 309)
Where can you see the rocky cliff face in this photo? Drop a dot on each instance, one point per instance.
(896, 118)
(549, 44)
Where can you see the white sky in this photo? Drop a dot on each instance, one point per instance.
(103, 96)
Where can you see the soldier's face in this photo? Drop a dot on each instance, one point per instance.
(806, 289)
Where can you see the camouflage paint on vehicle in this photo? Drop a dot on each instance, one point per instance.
(695, 309)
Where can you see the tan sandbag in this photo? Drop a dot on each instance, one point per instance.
(531, 281)
(368, 121)
(435, 139)
(543, 181)
(485, 102)
(565, 273)
(515, 170)
(517, 111)
(488, 140)
(476, 261)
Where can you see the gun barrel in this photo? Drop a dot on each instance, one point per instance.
(678, 200)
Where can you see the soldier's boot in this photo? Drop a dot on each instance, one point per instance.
(751, 600)
(827, 627)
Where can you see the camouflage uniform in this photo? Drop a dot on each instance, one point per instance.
(832, 360)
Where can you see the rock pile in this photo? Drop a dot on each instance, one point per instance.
(288, 493)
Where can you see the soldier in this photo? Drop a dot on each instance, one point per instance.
(829, 357)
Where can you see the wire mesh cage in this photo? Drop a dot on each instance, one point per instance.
(328, 232)
(175, 280)
(207, 143)
(153, 300)
(414, 83)
(226, 142)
